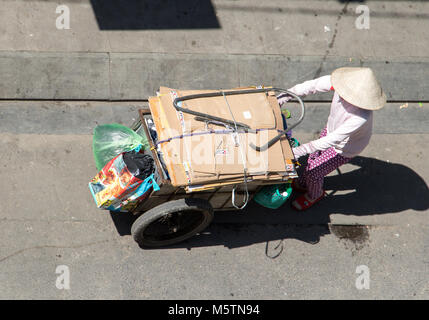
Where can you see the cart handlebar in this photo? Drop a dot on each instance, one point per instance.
(206, 116)
(279, 136)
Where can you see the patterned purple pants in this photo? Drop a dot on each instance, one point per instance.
(320, 164)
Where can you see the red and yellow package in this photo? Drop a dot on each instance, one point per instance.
(115, 188)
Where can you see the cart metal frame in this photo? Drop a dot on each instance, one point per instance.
(218, 198)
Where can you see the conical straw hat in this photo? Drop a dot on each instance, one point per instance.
(359, 87)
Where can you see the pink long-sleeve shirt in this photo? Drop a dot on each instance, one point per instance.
(349, 128)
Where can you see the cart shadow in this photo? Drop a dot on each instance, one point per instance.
(376, 187)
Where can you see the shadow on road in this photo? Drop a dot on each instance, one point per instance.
(154, 14)
(376, 187)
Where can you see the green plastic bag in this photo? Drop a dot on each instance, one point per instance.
(110, 140)
(273, 196)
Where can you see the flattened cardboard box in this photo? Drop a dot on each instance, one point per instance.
(196, 164)
(252, 109)
(194, 156)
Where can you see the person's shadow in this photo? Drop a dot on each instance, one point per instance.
(376, 187)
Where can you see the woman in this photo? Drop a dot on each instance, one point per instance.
(348, 131)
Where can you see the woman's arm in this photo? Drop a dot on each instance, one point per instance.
(332, 139)
(322, 84)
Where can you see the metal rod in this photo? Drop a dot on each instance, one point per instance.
(210, 95)
(242, 125)
(279, 136)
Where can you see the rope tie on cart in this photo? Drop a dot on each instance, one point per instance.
(236, 138)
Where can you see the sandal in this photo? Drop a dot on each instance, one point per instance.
(296, 187)
(303, 202)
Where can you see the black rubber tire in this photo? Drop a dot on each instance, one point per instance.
(198, 209)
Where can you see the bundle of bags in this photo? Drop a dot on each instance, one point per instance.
(126, 174)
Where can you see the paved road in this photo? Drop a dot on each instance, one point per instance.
(48, 219)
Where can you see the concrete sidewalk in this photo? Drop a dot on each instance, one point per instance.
(290, 28)
(114, 52)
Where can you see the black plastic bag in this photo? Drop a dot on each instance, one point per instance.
(140, 165)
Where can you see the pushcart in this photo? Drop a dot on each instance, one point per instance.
(173, 214)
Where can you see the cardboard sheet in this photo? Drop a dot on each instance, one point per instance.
(194, 155)
(251, 109)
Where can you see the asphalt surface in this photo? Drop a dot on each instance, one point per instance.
(375, 216)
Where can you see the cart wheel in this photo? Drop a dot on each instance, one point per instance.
(172, 222)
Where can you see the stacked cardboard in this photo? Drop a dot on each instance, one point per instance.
(200, 153)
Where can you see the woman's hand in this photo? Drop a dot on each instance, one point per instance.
(299, 152)
(283, 98)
